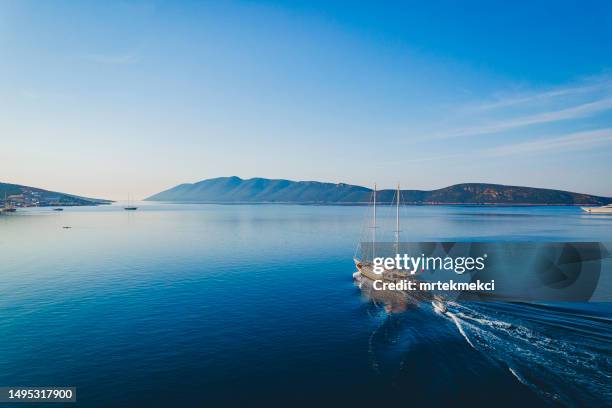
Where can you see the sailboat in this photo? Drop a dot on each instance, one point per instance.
(8, 208)
(365, 267)
(130, 207)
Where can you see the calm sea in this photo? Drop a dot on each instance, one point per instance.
(248, 305)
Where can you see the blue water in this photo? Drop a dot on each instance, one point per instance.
(247, 305)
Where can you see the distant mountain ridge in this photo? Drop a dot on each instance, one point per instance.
(25, 196)
(262, 190)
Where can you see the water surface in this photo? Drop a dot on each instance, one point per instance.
(186, 305)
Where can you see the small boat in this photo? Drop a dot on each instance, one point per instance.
(439, 306)
(66, 227)
(8, 208)
(130, 207)
(606, 209)
(58, 209)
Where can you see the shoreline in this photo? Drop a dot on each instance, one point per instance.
(425, 204)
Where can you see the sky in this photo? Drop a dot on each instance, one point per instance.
(106, 99)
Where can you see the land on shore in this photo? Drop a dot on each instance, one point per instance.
(24, 196)
(262, 190)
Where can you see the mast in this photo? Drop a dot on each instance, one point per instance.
(397, 219)
(374, 224)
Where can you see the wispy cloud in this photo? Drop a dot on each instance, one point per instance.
(573, 102)
(112, 59)
(584, 140)
(574, 141)
(575, 112)
(507, 101)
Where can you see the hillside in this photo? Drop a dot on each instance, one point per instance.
(25, 196)
(261, 190)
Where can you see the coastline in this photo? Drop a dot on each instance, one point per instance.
(362, 203)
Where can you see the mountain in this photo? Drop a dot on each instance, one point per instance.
(261, 190)
(24, 196)
(235, 189)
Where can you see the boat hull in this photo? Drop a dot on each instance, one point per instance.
(598, 210)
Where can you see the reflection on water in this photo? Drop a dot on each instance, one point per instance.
(394, 301)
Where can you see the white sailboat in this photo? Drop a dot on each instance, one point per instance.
(606, 209)
(365, 267)
(130, 207)
(8, 208)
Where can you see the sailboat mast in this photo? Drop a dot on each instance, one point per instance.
(374, 224)
(397, 219)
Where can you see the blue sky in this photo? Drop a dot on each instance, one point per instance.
(110, 98)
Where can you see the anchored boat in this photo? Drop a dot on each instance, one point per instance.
(8, 208)
(130, 207)
(606, 209)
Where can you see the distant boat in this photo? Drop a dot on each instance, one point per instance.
(130, 207)
(58, 209)
(606, 209)
(8, 208)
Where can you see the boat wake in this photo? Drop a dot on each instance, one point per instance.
(572, 366)
(560, 352)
